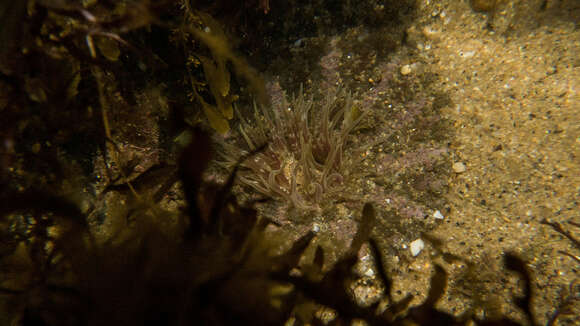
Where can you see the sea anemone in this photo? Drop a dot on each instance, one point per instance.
(303, 159)
(318, 157)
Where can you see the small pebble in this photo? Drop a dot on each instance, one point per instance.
(437, 215)
(431, 33)
(416, 247)
(459, 167)
(405, 70)
(466, 54)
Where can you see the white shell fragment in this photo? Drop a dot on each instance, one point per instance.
(437, 215)
(416, 247)
(315, 228)
(369, 272)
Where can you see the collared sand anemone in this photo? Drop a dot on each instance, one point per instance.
(306, 148)
(320, 155)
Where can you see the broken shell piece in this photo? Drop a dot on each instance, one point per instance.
(437, 215)
(416, 247)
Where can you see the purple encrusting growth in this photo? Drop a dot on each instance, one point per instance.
(422, 161)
